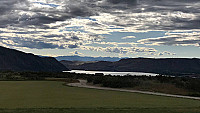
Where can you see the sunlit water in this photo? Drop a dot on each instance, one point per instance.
(113, 73)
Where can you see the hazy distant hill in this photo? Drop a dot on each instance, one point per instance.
(80, 58)
(74, 64)
(11, 59)
(164, 65)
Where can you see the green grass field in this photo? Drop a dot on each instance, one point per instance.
(53, 97)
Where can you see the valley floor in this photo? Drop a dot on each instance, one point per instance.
(83, 84)
(54, 97)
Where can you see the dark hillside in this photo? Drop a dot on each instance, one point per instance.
(165, 65)
(14, 60)
(161, 66)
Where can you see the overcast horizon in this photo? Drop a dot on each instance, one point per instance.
(106, 28)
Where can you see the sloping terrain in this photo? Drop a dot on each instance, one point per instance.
(73, 64)
(163, 65)
(14, 60)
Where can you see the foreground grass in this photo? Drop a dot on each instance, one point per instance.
(101, 110)
(53, 97)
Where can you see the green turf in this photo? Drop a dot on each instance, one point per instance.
(23, 96)
(101, 110)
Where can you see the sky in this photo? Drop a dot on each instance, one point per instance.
(107, 28)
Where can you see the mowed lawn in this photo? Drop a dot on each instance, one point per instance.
(53, 97)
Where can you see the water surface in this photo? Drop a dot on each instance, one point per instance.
(113, 73)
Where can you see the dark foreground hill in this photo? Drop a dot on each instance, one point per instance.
(162, 66)
(14, 60)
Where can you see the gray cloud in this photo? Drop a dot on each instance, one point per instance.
(10, 13)
(129, 2)
(181, 38)
(28, 43)
(86, 8)
(72, 46)
(6, 6)
(96, 17)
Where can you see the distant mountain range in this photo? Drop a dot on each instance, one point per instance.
(151, 65)
(75, 64)
(15, 60)
(85, 58)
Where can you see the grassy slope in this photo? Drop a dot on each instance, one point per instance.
(51, 94)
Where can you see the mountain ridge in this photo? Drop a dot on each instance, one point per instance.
(150, 65)
(15, 60)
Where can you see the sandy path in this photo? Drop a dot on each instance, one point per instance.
(83, 84)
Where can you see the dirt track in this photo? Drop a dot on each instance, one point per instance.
(83, 84)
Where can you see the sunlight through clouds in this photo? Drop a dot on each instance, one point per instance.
(86, 25)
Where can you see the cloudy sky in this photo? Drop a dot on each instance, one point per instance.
(120, 28)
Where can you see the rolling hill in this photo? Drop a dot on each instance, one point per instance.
(15, 60)
(162, 65)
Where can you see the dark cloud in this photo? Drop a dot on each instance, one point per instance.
(186, 24)
(175, 39)
(85, 8)
(6, 6)
(82, 11)
(53, 36)
(27, 32)
(74, 38)
(10, 9)
(131, 14)
(38, 45)
(163, 40)
(72, 46)
(130, 2)
(29, 43)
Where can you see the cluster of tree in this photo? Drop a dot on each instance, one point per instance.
(187, 83)
(191, 84)
(13, 75)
